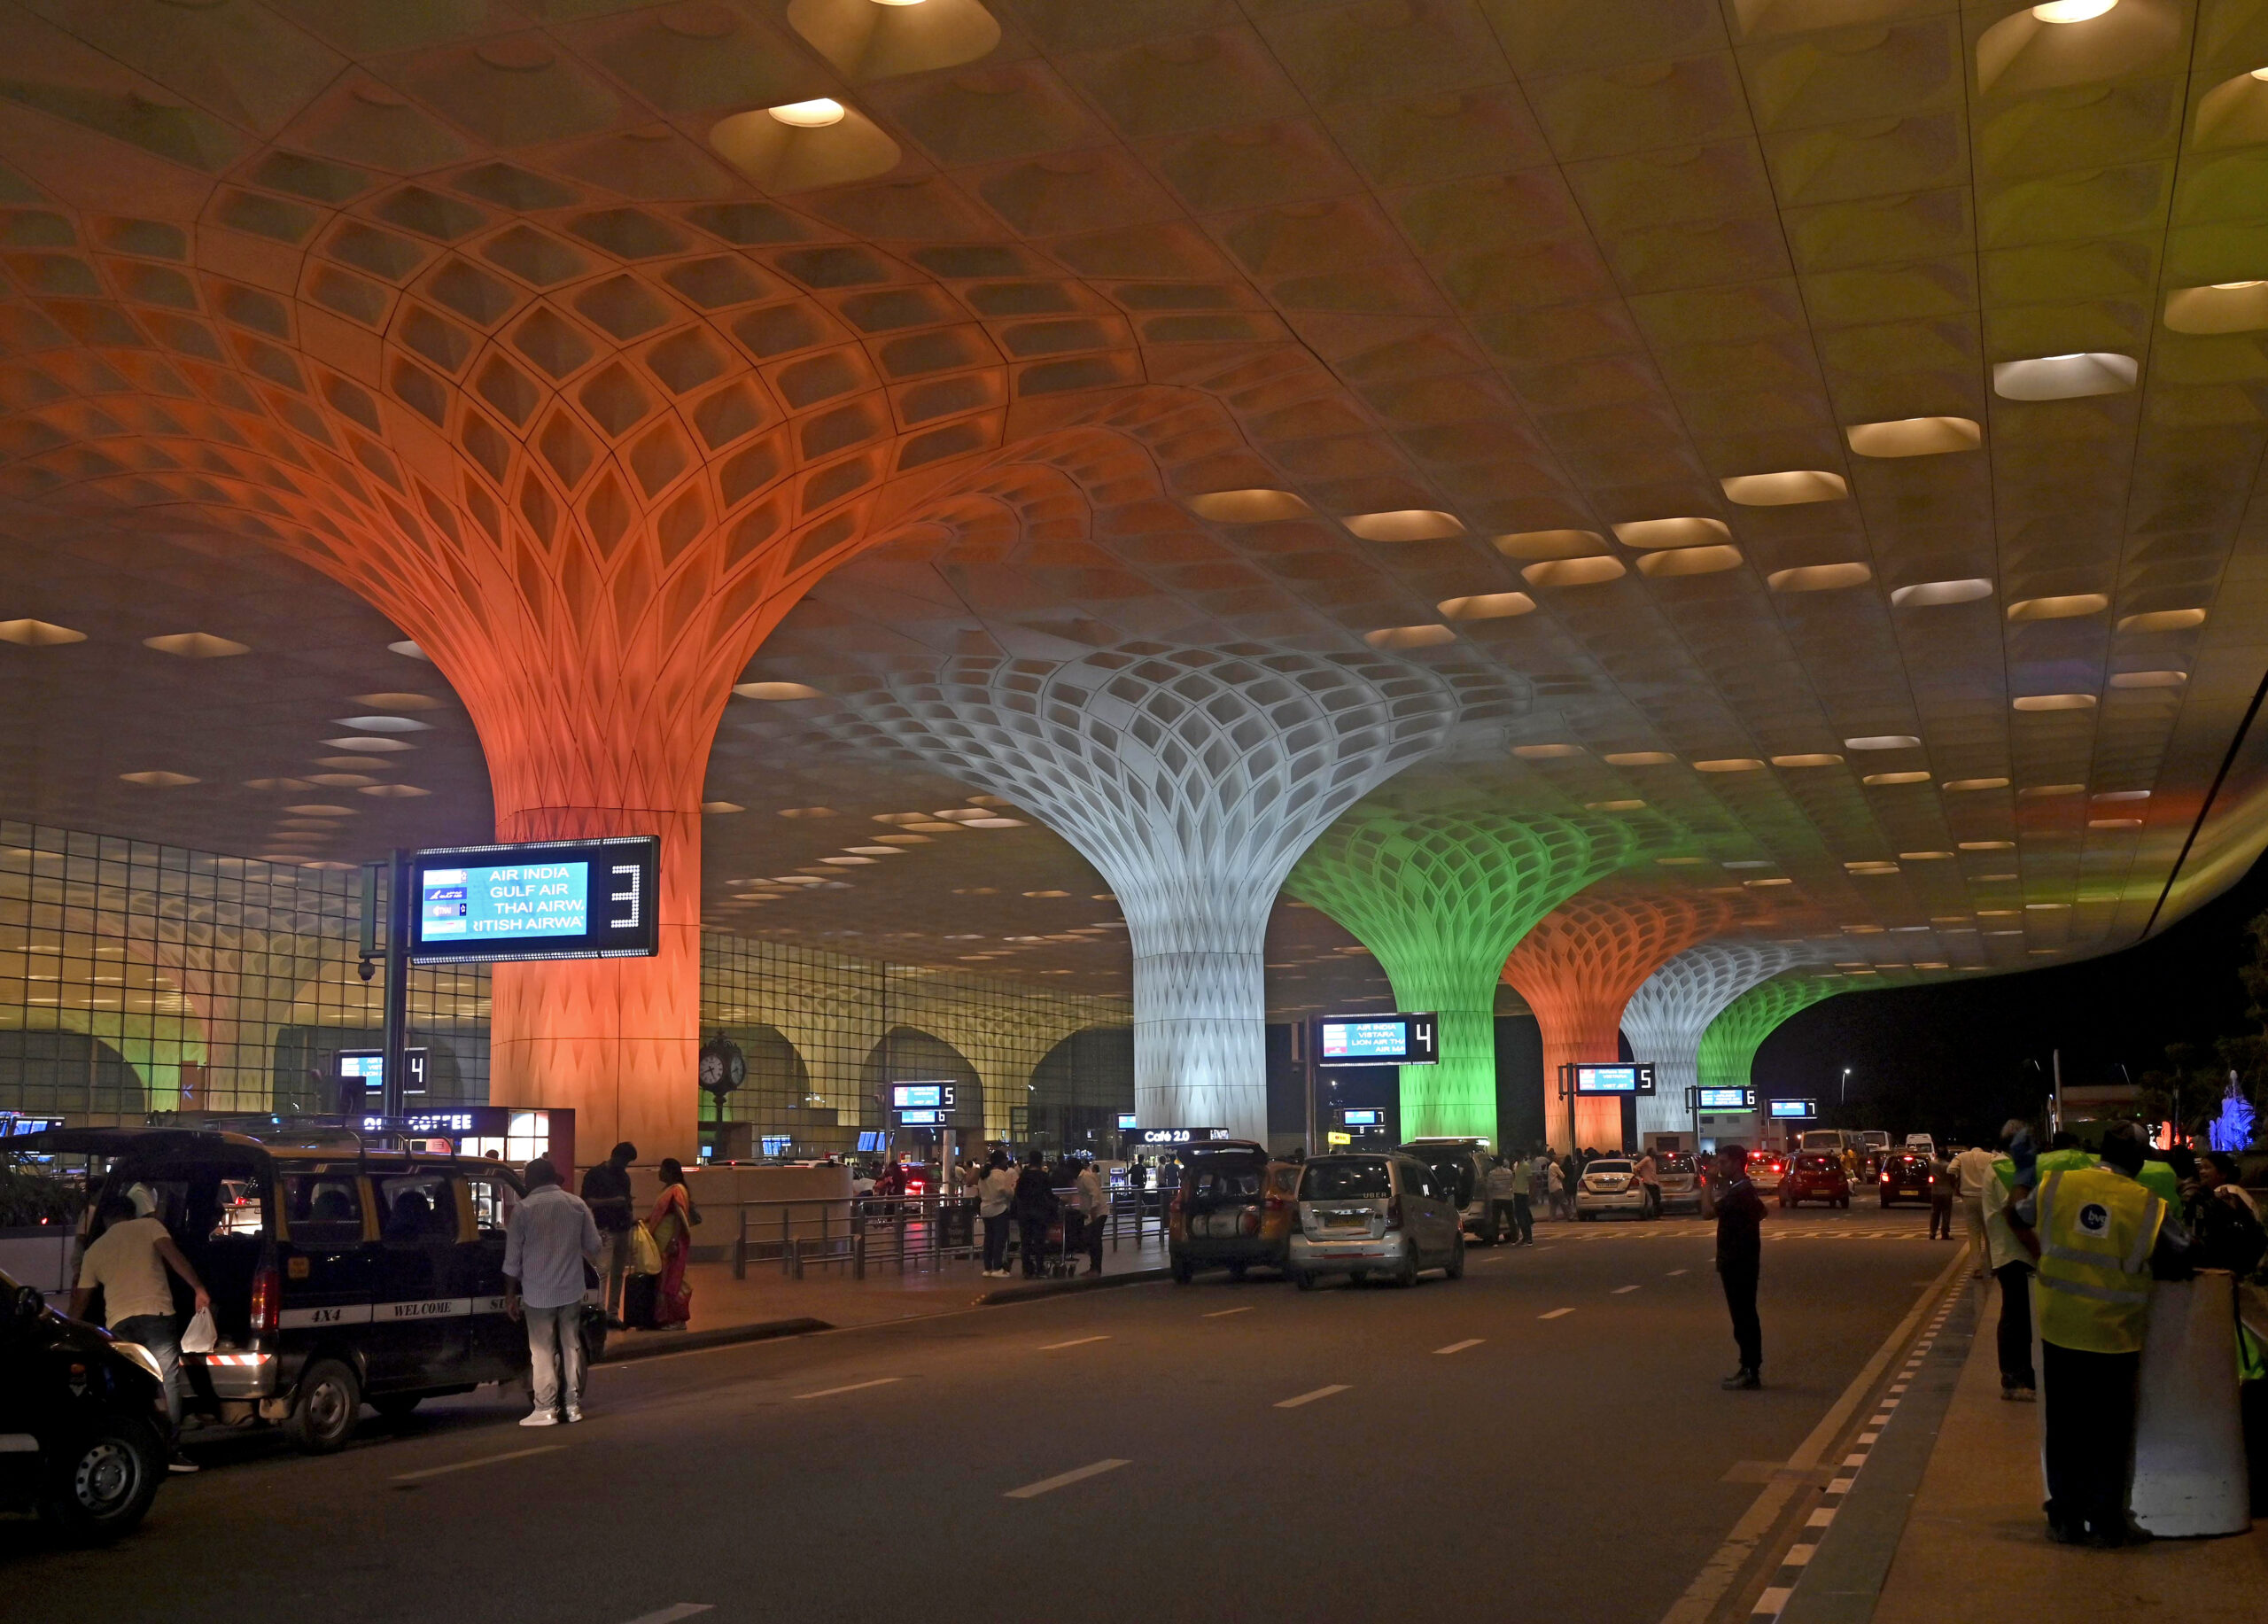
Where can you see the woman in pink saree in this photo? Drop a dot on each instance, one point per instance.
(672, 1223)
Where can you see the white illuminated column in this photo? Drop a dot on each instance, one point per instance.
(1666, 1016)
(1193, 780)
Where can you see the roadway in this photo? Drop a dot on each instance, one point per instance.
(1543, 1440)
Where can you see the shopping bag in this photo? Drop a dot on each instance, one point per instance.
(199, 1335)
(645, 1257)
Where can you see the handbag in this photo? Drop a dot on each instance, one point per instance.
(199, 1335)
(692, 1212)
(645, 1257)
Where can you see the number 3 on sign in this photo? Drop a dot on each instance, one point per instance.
(628, 874)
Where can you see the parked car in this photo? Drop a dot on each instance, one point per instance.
(1364, 1214)
(1233, 1209)
(1680, 1180)
(1905, 1176)
(1767, 1168)
(1815, 1176)
(81, 1418)
(1609, 1185)
(1463, 1165)
(339, 1275)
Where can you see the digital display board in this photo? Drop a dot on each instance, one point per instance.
(1727, 1099)
(368, 1068)
(1378, 1040)
(1362, 1116)
(922, 1096)
(1794, 1110)
(1128, 1121)
(563, 899)
(923, 1119)
(1625, 1077)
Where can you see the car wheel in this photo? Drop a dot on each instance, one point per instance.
(325, 1408)
(1406, 1276)
(1456, 1270)
(99, 1486)
(396, 1406)
(1183, 1270)
(1304, 1278)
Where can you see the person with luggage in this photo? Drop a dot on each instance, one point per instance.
(547, 1240)
(1036, 1207)
(671, 1224)
(996, 1194)
(1093, 1187)
(128, 1263)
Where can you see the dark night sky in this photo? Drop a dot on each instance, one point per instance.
(1950, 1059)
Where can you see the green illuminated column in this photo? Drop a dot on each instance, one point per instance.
(1443, 899)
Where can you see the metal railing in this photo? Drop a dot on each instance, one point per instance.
(910, 1231)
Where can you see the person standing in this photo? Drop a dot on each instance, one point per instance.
(995, 1194)
(2011, 1261)
(1940, 1197)
(670, 1224)
(1497, 1209)
(1093, 1188)
(606, 1191)
(1523, 1200)
(1036, 1205)
(2100, 1234)
(128, 1262)
(548, 1239)
(1972, 1171)
(1555, 1177)
(1731, 1200)
(1650, 1183)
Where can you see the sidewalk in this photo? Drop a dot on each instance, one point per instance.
(831, 1297)
(1975, 1545)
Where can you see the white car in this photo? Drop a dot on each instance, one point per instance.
(1767, 1168)
(1609, 1185)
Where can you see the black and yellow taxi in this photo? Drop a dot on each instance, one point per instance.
(341, 1274)
(1233, 1210)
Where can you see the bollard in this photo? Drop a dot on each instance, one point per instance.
(787, 1240)
(2189, 1464)
(740, 1250)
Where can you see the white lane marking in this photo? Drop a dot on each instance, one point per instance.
(1673, 1273)
(1855, 1461)
(485, 1460)
(1772, 1600)
(1310, 1398)
(1620, 1290)
(1076, 1341)
(1048, 1486)
(1841, 1486)
(677, 1609)
(1554, 1313)
(1471, 1342)
(856, 1387)
(1799, 1555)
(1820, 1517)
(1869, 1438)
(1224, 1313)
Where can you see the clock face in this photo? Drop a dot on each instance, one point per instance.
(713, 1070)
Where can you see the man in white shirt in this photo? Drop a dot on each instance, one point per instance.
(1972, 1171)
(1650, 1183)
(1093, 1198)
(994, 1193)
(129, 1262)
(547, 1240)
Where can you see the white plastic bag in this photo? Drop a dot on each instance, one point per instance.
(199, 1336)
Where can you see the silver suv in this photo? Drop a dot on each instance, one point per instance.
(1357, 1215)
(1462, 1166)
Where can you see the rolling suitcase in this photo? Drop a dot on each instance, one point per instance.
(639, 1292)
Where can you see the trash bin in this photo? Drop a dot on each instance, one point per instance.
(955, 1225)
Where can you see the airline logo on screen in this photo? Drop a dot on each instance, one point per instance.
(566, 899)
(512, 899)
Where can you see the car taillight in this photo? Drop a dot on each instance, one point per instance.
(267, 1302)
(1393, 1213)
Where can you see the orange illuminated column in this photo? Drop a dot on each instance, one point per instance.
(1577, 970)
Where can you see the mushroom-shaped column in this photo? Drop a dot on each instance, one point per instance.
(1442, 900)
(1193, 780)
(1666, 1017)
(1728, 1048)
(1577, 970)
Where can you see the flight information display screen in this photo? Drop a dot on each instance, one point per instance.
(1794, 1110)
(1728, 1100)
(1625, 1077)
(1399, 1039)
(568, 899)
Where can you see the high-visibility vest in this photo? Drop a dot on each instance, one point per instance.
(2159, 1178)
(2096, 1231)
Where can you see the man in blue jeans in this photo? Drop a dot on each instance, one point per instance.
(547, 1242)
(128, 1261)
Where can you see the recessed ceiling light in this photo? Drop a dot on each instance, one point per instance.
(1652, 534)
(1817, 759)
(816, 113)
(1988, 845)
(1960, 784)
(291, 784)
(385, 724)
(995, 823)
(1573, 571)
(2038, 792)
(398, 702)
(397, 792)
(1883, 741)
(2114, 823)
(361, 742)
(1729, 764)
(320, 810)
(1640, 758)
(1487, 606)
(1249, 507)
(1776, 879)
(38, 633)
(2054, 702)
(1612, 805)
(1549, 544)
(1410, 637)
(1878, 778)
(329, 781)
(1670, 562)
(2065, 377)
(1784, 490)
(807, 812)
(874, 851)
(1930, 595)
(158, 780)
(410, 650)
(2045, 907)
(2162, 620)
(1819, 577)
(1405, 525)
(1677, 862)
(774, 690)
(2072, 11)
(1914, 437)
(1921, 857)
(196, 646)
(722, 806)
(1546, 752)
(2122, 795)
(2149, 678)
(2069, 606)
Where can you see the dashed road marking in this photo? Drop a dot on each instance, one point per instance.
(1310, 1398)
(1224, 1313)
(675, 1610)
(484, 1460)
(1471, 1342)
(856, 1387)
(1076, 1341)
(1080, 1474)
(1621, 1290)
(1555, 1314)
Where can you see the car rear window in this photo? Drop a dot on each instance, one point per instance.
(1813, 1164)
(325, 1207)
(1677, 1164)
(1607, 1167)
(1338, 1181)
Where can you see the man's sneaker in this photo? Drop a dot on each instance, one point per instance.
(573, 1415)
(2028, 1395)
(2063, 1534)
(181, 1464)
(1741, 1380)
(540, 1417)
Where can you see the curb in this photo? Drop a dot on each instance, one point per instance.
(650, 1346)
(1063, 1289)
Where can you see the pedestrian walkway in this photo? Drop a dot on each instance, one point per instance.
(1974, 1540)
(829, 1294)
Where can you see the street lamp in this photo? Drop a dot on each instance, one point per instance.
(1843, 1096)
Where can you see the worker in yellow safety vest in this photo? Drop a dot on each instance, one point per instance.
(2098, 1231)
